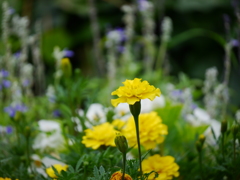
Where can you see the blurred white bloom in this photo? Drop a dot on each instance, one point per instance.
(122, 111)
(115, 37)
(144, 5)
(215, 126)
(48, 125)
(40, 163)
(52, 142)
(238, 116)
(51, 93)
(200, 117)
(147, 105)
(166, 29)
(58, 55)
(96, 113)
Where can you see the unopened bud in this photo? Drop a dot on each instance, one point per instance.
(121, 143)
(235, 129)
(66, 67)
(201, 138)
(223, 126)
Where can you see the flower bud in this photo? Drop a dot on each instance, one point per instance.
(66, 67)
(121, 143)
(223, 126)
(201, 138)
(235, 129)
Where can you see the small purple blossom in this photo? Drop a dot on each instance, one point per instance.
(25, 83)
(12, 110)
(143, 5)
(6, 83)
(9, 129)
(11, 10)
(177, 93)
(68, 53)
(4, 73)
(17, 54)
(57, 113)
(234, 43)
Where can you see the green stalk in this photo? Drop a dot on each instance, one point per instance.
(124, 164)
(223, 146)
(200, 164)
(135, 110)
(139, 146)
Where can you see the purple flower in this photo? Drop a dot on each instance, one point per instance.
(12, 110)
(68, 53)
(234, 43)
(143, 5)
(9, 129)
(17, 54)
(11, 10)
(6, 83)
(57, 113)
(176, 93)
(26, 82)
(4, 73)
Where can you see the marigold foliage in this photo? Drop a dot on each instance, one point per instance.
(133, 91)
(118, 176)
(163, 165)
(58, 167)
(151, 130)
(103, 134)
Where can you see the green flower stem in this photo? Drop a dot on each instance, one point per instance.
(200, 164)
(124, 164)
(234, 147)
(135, 110)
(223, 146)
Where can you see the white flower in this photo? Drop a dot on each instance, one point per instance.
(122, 111)
(199, 117)
(147, 105)
(238, 116)
(48, 125)
(215, 126)
(96, 113)
(40, 163)
(53, 142)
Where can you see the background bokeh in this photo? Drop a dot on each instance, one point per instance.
(65, 23)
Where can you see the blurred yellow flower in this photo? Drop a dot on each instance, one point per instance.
(66, 67)
(118, 176)
(133, 91)
(103, 134)
(118, 124)
(58, 167)
(163, 165)
(151, 130)
(6, 178)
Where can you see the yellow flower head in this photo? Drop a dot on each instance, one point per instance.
(133, 91)
(118, 176)
(151, 130)
(58, 167)
(5, 178)
(66, 67)
(163, 165)
(103, 134)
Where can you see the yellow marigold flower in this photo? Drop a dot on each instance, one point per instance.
(118, 176)
(118, 124)
(133, 91)
(58, 167)
(163, 165)
(103, 134)
(151, 130)
(5, 178)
